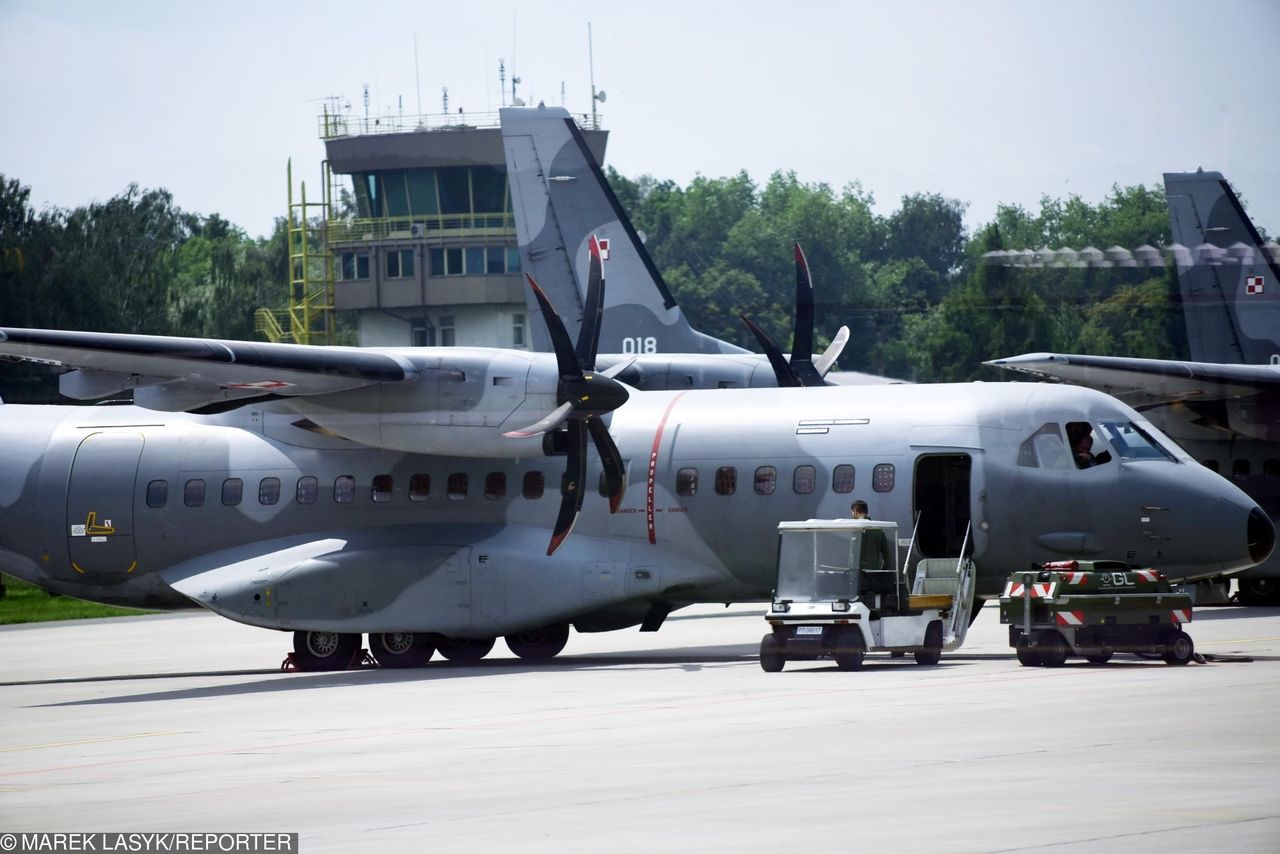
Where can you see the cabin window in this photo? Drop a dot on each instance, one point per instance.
(308, 490)
(456, 488)
(842, 479)
(686, 482)
(232, 491)
(157, 493)
(419, 487)
(804, 479)
(726, 480)
(269, 491)
(344, 489)
(883, 477)
(766, 480)
(193, 493)
(534, 485)
(495, 485)
(1213, 465)
(1241, 468)
(382, 488)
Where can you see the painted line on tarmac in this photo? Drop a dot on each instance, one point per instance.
(92, 740)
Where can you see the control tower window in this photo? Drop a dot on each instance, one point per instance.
(355, 265)
(395, 193)
(489, 189)
(455, 189)
(422, 192)
(400, 264)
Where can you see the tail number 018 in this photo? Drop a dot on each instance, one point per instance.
(635, 346)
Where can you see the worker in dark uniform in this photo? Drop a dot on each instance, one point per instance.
(875, 546)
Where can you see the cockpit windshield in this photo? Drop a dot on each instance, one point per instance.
(1132, 442)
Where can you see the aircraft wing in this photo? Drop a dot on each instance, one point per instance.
(176, 374)
(1149, 381)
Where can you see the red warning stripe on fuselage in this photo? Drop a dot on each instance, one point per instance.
(653, 468)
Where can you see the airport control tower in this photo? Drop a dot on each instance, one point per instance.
(419, 238)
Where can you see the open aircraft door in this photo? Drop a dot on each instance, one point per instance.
(100, 505)
(942, 504)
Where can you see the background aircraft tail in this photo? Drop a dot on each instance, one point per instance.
(561, 198)
(1229, 280)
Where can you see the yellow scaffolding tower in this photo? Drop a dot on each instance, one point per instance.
(309, 317)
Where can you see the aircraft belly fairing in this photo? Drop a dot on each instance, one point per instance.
(456, 580)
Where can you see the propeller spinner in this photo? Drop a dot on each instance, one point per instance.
(582, 396)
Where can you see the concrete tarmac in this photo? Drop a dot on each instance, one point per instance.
(632, 742)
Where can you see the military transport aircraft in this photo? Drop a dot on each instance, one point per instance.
(1224, 407)
(402, 492)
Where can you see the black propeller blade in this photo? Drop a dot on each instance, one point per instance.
(787, 378)
(800, 371)
(802, 347)
(582, 396)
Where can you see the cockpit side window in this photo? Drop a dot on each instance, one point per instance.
(1132, 442)
(1086, 450)
(1044, 449)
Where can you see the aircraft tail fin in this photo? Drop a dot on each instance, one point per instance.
(1229, 279)
(561, 199)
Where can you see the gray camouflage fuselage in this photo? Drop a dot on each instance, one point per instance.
(472, 563)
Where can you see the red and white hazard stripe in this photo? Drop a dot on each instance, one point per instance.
(1042, 590)
(1074, 577)
(1147, 574)
(1070, 618)
(1181, 615)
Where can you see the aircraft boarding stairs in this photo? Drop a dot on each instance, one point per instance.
(940, 582)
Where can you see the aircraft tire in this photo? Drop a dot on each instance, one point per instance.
(932, 652)
(464, 649)
(1053, 649)
(324, 650)
(773, 654)
(1259, 592)
(1027, 656)
(850, 650)
(536, 644)
(401, 649)
(1178, 648)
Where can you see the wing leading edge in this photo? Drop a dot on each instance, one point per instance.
(177, 374)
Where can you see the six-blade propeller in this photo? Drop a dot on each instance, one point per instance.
(583, 396)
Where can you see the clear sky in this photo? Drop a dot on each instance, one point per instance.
(987, 101)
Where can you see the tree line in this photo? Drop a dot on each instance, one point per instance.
(910, 285)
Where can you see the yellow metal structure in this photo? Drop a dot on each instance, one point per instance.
(309, 317)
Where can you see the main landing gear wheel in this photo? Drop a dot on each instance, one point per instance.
(465, 649)
(850, 649)
(1259, 591)
(1028, 656)
(1179, 649)
(401, 649)
(324, 650)
(545, 642)
(773, 654)
(1053, 649)
(932, 652)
